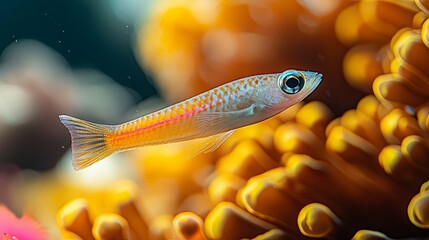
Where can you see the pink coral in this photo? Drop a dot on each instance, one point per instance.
(23, 228)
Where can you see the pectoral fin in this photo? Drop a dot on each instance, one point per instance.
(215, 122)
(206, 145)
(216, 125)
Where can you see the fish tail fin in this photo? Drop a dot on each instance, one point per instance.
(88, 141)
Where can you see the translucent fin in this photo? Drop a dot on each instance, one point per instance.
(207, 145)
(213, 142)
(215, 122)
(88, 142)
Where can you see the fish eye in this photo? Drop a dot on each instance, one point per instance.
(291, 83)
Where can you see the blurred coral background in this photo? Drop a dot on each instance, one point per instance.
(351, 162)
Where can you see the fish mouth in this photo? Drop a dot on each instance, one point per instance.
(318, 78)
(314, 80)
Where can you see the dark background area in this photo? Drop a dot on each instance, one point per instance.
(89, 34)
(86, 33)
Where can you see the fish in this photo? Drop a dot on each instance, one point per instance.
(211, 116)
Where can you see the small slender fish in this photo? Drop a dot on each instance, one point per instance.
(211, 116)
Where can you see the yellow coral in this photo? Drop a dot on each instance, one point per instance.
(361, 159)
(76, 219)
(308, 184)
(419, 207)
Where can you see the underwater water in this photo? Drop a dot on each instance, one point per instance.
(349, 162)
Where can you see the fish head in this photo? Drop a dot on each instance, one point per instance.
(288, 88)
